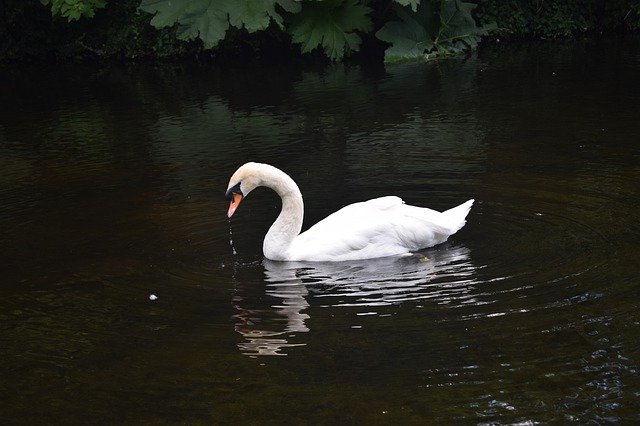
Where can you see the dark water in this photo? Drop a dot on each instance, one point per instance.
(112, 184)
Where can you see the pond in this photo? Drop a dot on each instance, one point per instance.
(112, 181)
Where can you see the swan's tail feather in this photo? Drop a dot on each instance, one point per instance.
(457, 215)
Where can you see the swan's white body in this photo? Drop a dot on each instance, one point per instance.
(376, 228)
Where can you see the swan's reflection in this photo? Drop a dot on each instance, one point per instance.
(283, 319)
(444, 275)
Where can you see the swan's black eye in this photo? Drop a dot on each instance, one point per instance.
(235, 188)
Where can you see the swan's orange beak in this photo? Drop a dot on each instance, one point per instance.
(235, 202)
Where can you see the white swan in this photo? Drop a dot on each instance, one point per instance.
(376, 228)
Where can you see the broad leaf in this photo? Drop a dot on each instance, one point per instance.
(73, 10)
(210, 19)
(413, 3)
(412, 36)
(332, 25)
(442, 27)
(458, 28)
(255, 15)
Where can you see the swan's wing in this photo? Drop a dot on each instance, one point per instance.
(380, 227)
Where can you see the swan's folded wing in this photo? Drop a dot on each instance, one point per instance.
(380, 227)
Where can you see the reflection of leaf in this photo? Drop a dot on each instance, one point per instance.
(331, 24)
(210, 19)
(213, 126)
(411, 37)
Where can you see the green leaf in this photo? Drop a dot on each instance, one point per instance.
(413, 3)
(166, 13)
(437, 28)
(73, 15)
(457, 25)
(255, 15)
(330, 24)
(210, 25)
(73, 10)
(410, 37)
(210, 19)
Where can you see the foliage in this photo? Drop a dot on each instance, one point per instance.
(118, 31)
(412, 37)
(249, 29)
(74, 9)
(332, 25)
(559, 19)
(209, 20)
(413, 3)
(432, 30)
(458, 29)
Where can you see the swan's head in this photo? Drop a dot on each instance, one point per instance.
(244, 180)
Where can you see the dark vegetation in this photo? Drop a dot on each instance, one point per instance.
(327, 30)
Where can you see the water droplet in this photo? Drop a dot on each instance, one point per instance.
(233, 249)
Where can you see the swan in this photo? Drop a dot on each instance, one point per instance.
(380, 227)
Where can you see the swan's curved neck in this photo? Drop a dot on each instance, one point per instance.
(289, 222)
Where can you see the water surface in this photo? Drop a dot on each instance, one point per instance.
(112, 183)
